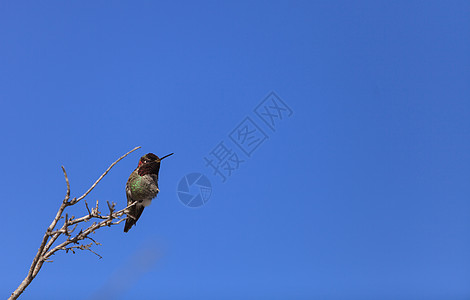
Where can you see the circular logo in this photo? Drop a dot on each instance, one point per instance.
(194, 190)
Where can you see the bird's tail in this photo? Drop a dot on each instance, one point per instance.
(129, 222)
(133, 215)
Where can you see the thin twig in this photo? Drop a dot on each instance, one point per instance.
(67, 196)
(104, 174)
(87, 208)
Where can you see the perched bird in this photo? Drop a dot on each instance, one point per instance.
(142, 187)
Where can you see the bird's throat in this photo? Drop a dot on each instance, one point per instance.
(149, 168)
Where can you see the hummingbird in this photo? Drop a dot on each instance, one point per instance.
(142, 187)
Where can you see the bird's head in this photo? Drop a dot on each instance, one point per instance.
(147, 158)
(150, 163)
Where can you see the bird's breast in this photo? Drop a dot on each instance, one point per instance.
(146, 202)
(143, 188)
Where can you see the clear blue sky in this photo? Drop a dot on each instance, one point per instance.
(362, 193)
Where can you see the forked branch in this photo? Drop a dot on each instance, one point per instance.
(72, 241)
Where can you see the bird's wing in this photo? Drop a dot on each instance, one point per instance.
(133, 213)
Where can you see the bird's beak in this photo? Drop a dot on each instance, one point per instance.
(166, 156)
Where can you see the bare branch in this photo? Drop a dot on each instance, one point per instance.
(51, 235)
(107, 221)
